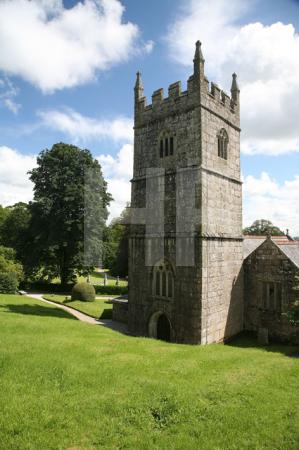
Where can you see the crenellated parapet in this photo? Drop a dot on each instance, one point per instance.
(200, 92)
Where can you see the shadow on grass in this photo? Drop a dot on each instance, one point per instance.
(36, 310)
(106, 314)
(249, 340)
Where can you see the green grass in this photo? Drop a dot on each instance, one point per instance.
(99, 309)
(98, 278)
(70, 385)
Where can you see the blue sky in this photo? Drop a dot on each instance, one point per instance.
(67, 71)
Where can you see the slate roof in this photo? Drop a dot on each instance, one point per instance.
(285, 243)
(292, 252)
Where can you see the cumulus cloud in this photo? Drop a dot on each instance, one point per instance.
(118, 171)
(266, 58)
(15, 185)
(54, 47)
(265, 198)
(82, 128)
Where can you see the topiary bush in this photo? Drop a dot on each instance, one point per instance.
(8, 283)
(84, 292)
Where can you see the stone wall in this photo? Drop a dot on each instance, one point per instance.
(268, 264)
(120, 310)
(199, 196)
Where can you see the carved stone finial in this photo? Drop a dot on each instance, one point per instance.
(138, 87)
(235, 91)
(198, 60)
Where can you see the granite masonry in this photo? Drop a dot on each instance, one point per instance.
(186, 273)
(189, 142)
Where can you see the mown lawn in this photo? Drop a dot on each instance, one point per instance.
(99, 309)
(71, 385)
(98, 278)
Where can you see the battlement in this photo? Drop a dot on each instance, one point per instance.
(194, 92)
(199, 92)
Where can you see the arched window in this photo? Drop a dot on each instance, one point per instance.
(163, 282)
(166, 145)
(222, 139)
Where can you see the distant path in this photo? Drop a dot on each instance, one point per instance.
(117, 326)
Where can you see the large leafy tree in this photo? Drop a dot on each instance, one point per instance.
(263, 227)
(68, 213)
(116, 245)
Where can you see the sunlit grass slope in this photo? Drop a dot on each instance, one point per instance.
(71, 385)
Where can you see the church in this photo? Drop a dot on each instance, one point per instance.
(193, 277)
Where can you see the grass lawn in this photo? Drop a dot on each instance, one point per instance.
(98, 278)
(99, 309)
(70, 385)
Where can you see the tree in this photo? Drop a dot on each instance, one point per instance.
(116, 239)
(68, 213)
(14, 228)
(9, 263)
(263, 227)
(11, 271)
(3, 215)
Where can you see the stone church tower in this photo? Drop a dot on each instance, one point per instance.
(185, 253)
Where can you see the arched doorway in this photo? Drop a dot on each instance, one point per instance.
(159, 326)
(163, 328)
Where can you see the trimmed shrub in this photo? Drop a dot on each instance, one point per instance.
(84, 292)
(8, 283)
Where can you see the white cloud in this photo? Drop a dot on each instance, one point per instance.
(266, 59)
(8, 92)
(15, 185)
(117, 172)
(264, 198)
(82, 128)
(12, 105)
(54, 47)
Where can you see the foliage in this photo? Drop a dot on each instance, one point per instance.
(14, 229)
(8, 282)
(111, 290)
(116, 242)
(100, 308)
(84, 292)
(11, 272)
(61, 378)
(262, 228)
(293, 313)
(68, 213)
(3, 215)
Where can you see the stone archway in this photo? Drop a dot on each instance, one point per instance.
(159, 326)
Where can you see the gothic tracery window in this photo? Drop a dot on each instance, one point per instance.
(222, 139)
(163, 282)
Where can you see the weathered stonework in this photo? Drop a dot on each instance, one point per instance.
(269, 268)
(200, 195)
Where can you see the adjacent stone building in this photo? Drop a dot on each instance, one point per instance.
(186, 250)
(270, 267)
